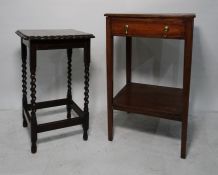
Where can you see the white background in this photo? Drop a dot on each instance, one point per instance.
(155, 61)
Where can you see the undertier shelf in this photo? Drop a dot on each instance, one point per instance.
(164, 102)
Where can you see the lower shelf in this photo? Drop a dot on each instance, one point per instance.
(164, 102)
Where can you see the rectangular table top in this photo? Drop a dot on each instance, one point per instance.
(46, 34)
(152, 15)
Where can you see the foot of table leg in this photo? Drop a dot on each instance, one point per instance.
(110, 122)
(110, 127)
(33, 148)
(85, 126)
(184, 139)
(85, 135)
(33, 133)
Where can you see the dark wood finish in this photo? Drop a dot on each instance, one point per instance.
(128, 59)
(76, 108)
(52, 103)
(53, 34)
(165, 102)
(69, 79)
(26, 115)
(86, 88)
(59, 124)
(33, 121)
(48, 104)
(24, 80)
(45, 40)
(109, 52)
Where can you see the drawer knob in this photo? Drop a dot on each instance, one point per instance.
(166, 28)
(126, 29)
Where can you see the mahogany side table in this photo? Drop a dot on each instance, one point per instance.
(45, 40)
(164, 102)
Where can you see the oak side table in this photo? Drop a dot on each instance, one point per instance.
(164, 102)
(45, 40)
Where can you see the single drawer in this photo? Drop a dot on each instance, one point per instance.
(161, 28)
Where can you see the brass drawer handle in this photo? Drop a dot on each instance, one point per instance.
(166, 29)
(126, 29)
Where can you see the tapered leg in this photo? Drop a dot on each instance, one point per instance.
(33, 99)
(186, 84)
(69, 82)
(128, 59)
(86, 93)
(24, 80)
(109, 50)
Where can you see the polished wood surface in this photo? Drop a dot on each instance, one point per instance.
(53, 34)
(151, 15)
(165, 102)
(45, 40)
(148, 28)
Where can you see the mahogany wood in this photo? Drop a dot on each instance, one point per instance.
(164, 102)
(109, 52)
(148, 27)
(128, 59)
(153, 15)
(186, 82)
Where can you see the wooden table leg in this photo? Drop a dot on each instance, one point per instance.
(69, 82)
(128, 59)
(186, 84)
(33, 98)
(86, 93)
(109, 47)
(24, 80)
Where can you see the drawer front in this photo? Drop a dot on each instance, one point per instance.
(148, 28)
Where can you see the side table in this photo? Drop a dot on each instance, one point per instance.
(47, 40)
(164, 102)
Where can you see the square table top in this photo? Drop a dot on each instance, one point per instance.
(49, 34)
